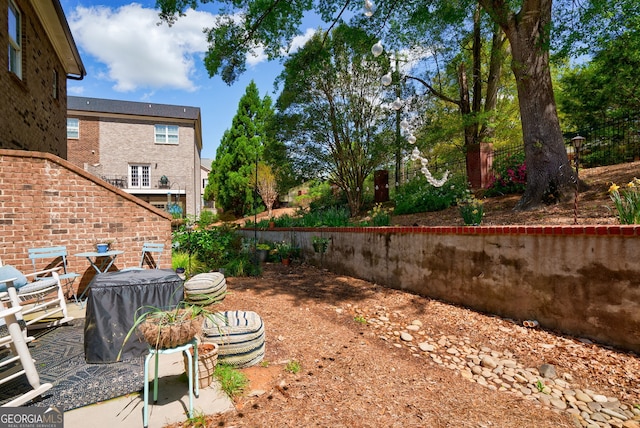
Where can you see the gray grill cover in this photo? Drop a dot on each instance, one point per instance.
(113, 300)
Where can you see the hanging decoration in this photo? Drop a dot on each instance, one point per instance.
(386, 80)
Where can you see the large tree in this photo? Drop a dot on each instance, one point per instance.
(527, 25)
(241, 147)
(331, 109)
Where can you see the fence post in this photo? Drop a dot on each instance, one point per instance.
(479, 162)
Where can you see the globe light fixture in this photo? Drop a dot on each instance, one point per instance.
(377, 49)
(397, 104)
(411, 139)
(387, 79)
(404, 124)
(368, 8)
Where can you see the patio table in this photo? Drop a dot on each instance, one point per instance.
(113, 303)
(101, 262)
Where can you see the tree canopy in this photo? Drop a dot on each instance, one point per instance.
(533, 28)
(331, 109)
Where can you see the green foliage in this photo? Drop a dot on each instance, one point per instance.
(627, 201)
(332, 118)
(293, 366)
(604, 88)
(509, 175)
(378, 216)
(189, 262)
(360, 319)
(206, 218)
(419, 196)
(233, 382)
(241, 146)
(471, 209)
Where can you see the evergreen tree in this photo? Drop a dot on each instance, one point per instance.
(240, 148)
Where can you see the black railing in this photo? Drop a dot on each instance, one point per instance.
(612, 143)
(119, 181)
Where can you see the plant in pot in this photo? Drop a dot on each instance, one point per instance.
(285, 251)
(320, 244)
(262, 251)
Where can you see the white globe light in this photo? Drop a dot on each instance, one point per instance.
(368, 4)
(404, 124)
(368, 13)
(387, 79)
(377, 49)
(411, 139)
(397, 104)
(415, 154)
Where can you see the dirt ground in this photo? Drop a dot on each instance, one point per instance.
(353, 376)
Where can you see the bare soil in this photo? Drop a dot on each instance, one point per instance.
(351, 377)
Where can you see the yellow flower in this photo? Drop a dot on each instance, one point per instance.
(631, 184)
(614, 188)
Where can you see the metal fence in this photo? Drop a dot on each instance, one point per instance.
(612, 143)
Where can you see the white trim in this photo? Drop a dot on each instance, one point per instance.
(15, 46)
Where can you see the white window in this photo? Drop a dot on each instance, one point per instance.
(166, 134)
(140, 176)
(15, 39)
(73, 129)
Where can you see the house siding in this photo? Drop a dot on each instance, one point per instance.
(31, 118)
(115, 134)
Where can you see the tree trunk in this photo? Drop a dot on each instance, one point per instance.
(549, 174)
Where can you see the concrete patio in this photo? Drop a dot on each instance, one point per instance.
(172, 405)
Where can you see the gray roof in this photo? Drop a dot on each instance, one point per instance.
(101, 105)
(206, 162)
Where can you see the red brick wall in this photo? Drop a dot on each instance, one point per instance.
(30, 117)
(47, 201)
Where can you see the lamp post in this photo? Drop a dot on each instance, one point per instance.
(577, 144)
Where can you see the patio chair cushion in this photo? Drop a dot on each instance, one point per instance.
(8, 272)
(239, 335)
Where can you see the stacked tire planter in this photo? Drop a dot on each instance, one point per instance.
(240, 336)
(205, 288)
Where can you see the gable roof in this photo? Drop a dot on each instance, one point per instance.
(101, 105)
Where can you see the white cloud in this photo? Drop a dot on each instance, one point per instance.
(75, 90)
(299, 41)
(256, 55)
(137, 52)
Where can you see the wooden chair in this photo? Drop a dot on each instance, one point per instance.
(42, 300)
(55, 257)
(19, 362)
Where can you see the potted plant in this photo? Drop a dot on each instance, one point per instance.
(320, 244)
(164, 328)
(262, 251)
(285, 251)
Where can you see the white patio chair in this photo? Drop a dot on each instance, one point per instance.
(42, 300)
(19, 362)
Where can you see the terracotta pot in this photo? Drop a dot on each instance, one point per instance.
(286, 262)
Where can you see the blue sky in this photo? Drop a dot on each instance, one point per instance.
(129, 57)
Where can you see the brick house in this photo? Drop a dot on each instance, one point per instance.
(151, 151)
(44, 199)
(42, 56)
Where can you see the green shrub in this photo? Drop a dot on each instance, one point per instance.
(509, 175)
(206, 218)
(419, 196)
